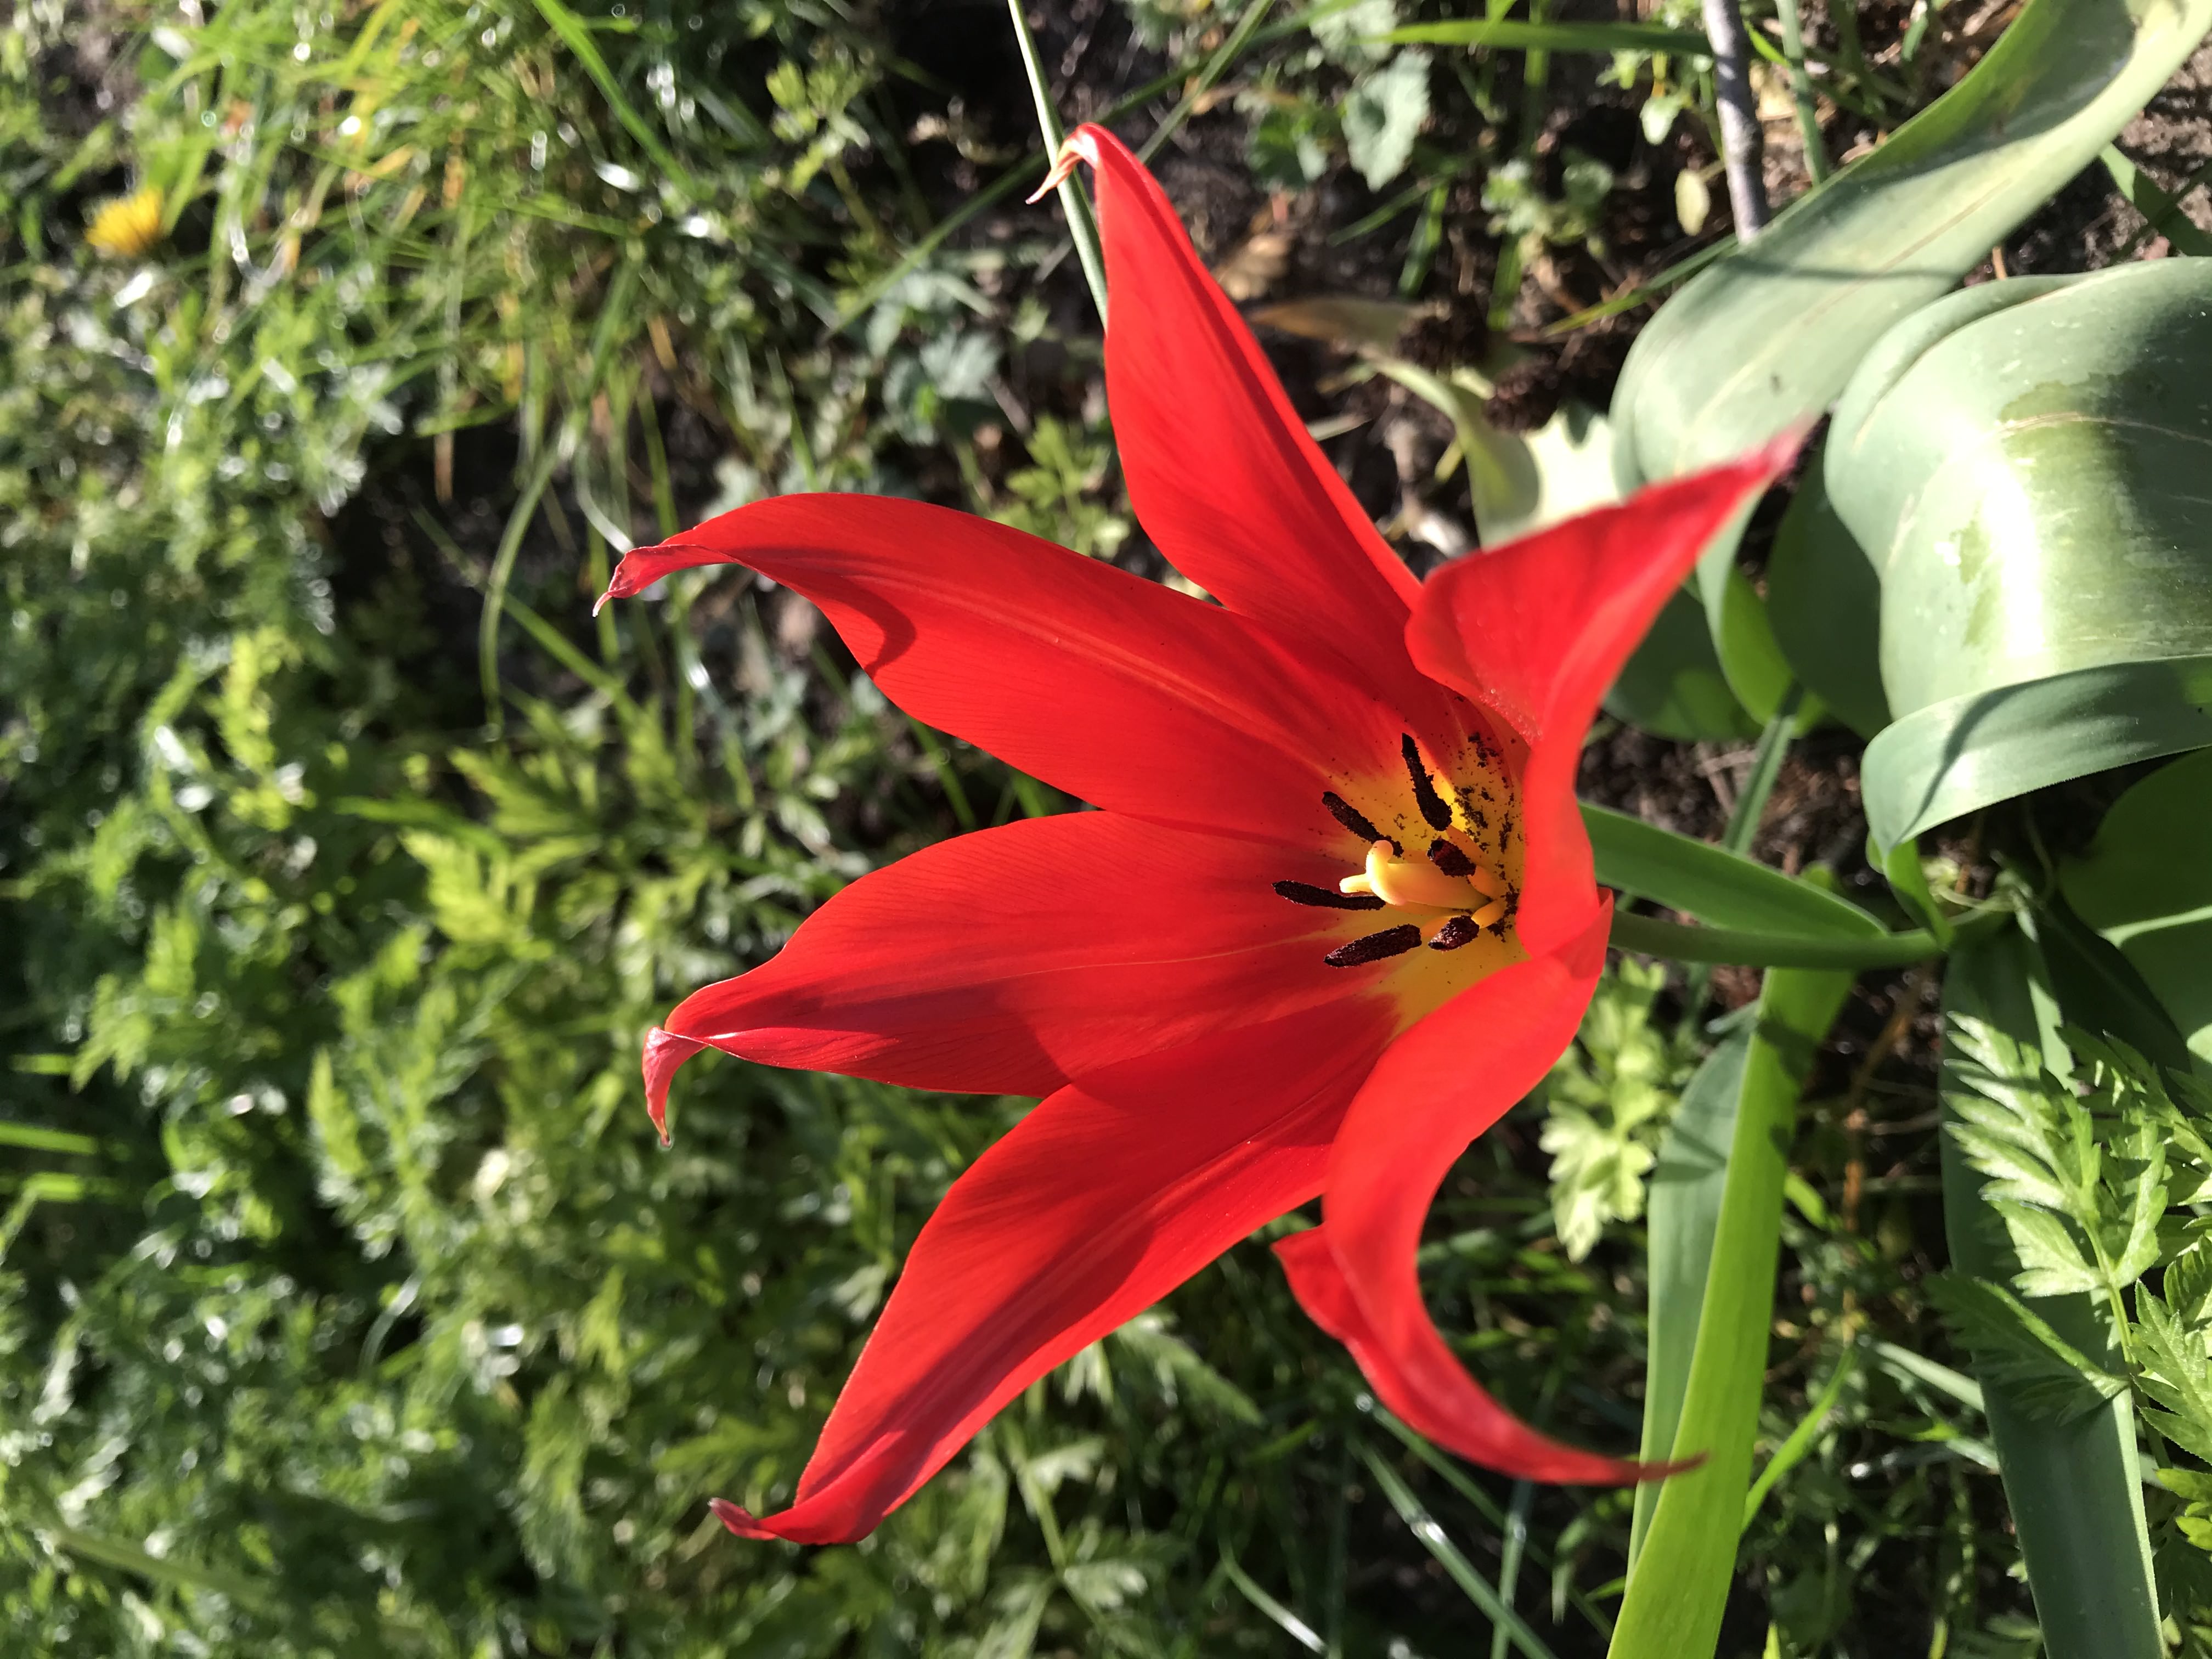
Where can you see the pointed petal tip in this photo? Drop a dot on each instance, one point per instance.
(740, 1521)
(665, 1051)
(1780, 452)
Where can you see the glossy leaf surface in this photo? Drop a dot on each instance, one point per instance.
(1766, 336)
(1684, 1208)
(1823, 601)
(1722, 888)
(1673, 686)
(1952, 757)
(2022, 463)
(1680, 1582)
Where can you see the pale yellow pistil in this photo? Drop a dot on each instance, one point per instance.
(1418, 884)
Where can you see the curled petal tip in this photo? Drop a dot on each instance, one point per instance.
(600, 604)
(1429, 1392)
(1077, 146)
(664, 1052)
(738, 1521)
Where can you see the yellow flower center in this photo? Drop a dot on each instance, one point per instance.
(1442, 867)
(1425, 883)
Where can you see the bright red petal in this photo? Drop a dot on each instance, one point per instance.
(1436, 1088)
(1012, 960)
(1119, 690)
(1538, 628)
(1221, 470)
(1102, 1200)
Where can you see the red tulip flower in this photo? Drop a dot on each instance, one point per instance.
(1334, 915)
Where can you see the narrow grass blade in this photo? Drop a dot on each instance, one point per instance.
(1792, 1451)
(1512, 34)
(1082, 224)
(1456, 1476)
(502, 572)
(1291, 1624)
(1679, 1583)
(2163, 213)
(577, 35)
(161, 1569)
(1254, 14)
(2074, 1489)
(34, 1138)
(1479, 1590)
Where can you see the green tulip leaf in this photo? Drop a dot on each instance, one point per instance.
(1967, 752)
(1683, 1210)
(1680, 1584)
(1824, 600)
(1673, 686)
(2145, 885)
(2023, 462)
(1722, 888)
(1765, 338)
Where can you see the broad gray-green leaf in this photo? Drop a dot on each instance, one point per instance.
(1955, 757)
(1673, 686)
(1766, 337)
(2145, 885)
(2022, 463)
(1824, 600)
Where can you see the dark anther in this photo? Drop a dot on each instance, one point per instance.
(1390, 942)
(1304, 892)
(1460, 930)
(1450, 859)
(1433, 810)
(1347, 815)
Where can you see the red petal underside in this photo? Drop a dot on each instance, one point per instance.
(1436, 1088)
(1538, 628)
(1102, 1200)
(1119, 690)
(1011, 960)
(1221, 470)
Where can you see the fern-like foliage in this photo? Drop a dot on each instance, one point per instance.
(2096, 1177)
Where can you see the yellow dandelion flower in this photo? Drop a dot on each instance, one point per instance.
(127, 226)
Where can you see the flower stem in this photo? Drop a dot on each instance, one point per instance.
(1739, 117)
